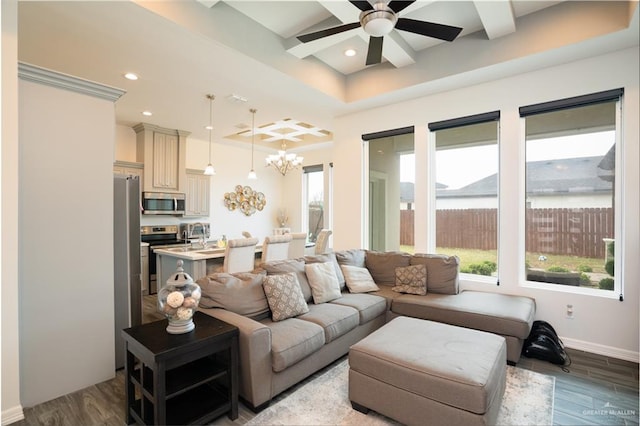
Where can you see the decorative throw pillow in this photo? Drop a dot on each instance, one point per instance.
(411, 279)
(284, 296)
(358, 279)
(276, 267)
(323, 281)
(241, 293)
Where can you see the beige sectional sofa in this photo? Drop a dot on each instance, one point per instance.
(293, 320)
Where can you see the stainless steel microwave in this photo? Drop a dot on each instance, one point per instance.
(172, 203)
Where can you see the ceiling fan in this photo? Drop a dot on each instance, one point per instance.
(380, 19)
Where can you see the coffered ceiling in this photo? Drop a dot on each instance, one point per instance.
(247, 54)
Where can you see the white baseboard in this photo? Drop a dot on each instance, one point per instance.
(12, 415)
(601, 349)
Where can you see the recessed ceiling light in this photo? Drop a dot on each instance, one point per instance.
(350, 52)
(131, 76)
(147, 113)
(208, 127)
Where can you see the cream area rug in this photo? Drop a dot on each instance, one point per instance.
(528, 400)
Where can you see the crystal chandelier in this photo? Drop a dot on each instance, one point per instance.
(284, 162)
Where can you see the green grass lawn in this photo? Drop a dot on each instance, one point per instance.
(470, 256)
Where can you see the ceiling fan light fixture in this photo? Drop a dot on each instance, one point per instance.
(378, 23)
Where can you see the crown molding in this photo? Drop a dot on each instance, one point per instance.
(59, 80)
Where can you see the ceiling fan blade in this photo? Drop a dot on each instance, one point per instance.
(429, 29)
(305, 38)
(398, 5)
(374, 54)
(363, 5)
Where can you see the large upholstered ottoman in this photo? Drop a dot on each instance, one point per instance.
(422, 372)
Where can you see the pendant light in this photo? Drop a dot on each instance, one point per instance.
(210, 170)
(252, 174)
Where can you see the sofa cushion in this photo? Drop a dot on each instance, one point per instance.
(497, 313)
(241, 293)
(382, 266)
(411, 279)
(335, 320)
(323, 281)
(367, 305)
(442, 272)
(358, 279)
(353, 257)
(293, 340)
(290, 265)
(284, 296)
(388, 294)
(327, 257)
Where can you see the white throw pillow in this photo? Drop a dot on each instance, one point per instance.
(358, 279)
(323, 281)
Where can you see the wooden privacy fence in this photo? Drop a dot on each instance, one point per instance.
(574, 232)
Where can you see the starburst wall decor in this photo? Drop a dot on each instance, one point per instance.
(245, 199)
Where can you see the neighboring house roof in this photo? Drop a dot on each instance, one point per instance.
(407, 191)
(548, 177)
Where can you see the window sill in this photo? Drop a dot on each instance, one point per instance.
(478, 279)
(607, 294)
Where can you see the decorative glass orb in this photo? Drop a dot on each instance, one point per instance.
(178, 300)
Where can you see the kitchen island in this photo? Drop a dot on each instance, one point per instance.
(198, 262)
(195, 261)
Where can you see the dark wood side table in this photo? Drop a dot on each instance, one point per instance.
(189, 378)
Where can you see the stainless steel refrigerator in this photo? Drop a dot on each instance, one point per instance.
(126, 258)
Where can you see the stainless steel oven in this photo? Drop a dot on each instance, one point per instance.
(158, 237)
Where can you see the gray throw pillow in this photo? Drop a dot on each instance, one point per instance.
(442, 272)
(241, 293)
(382, 265)
(353, 257)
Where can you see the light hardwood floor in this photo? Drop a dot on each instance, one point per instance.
(594, 390)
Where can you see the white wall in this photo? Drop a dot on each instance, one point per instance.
(11, 407)
(66, 241)
(601, 325)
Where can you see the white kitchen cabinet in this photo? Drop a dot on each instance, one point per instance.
(130, 169)
(165, 161)
(197, 190)
(163, 152)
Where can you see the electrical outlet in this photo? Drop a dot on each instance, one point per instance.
(570, 311)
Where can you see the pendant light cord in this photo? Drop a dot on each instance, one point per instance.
(211, 98)
(253, 133)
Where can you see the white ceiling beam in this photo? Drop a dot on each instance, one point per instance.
(302, 50)
(208, 3)
(394, 49)
(497, 17)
